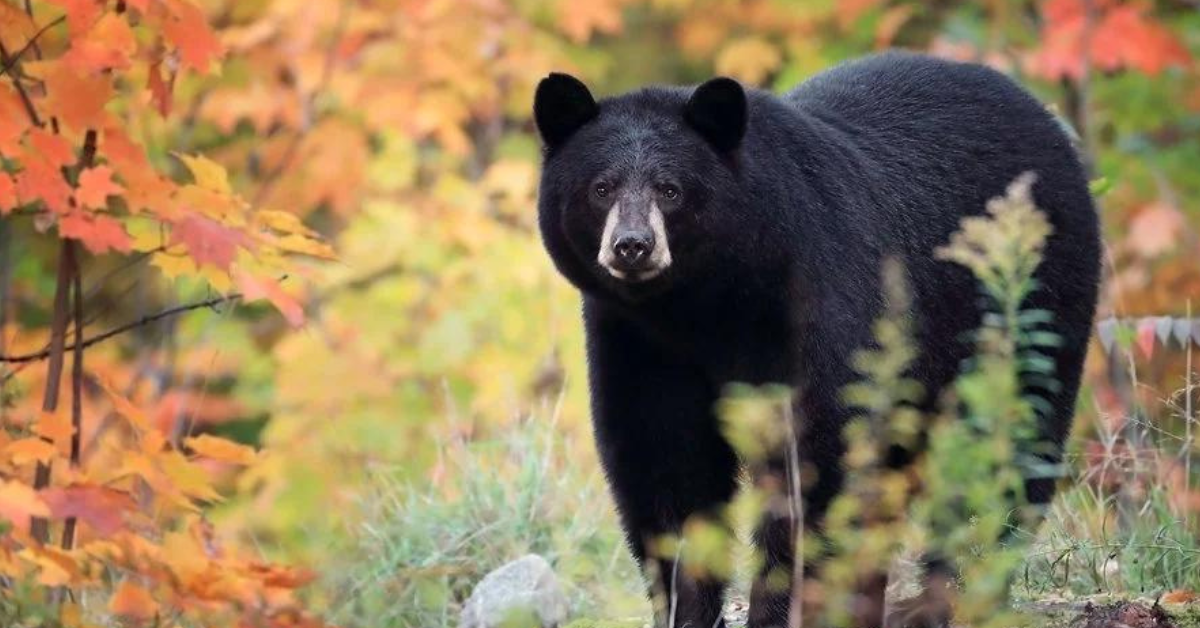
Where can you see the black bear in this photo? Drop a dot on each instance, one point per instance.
(721, 234)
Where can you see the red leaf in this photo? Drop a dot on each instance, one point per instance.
(52, 147)
(101, 508)
(1127, 38)
(209, 242)
(8, 194)
(41, 180)
(95, 186)
(97, 232)
(1145, 335)
(186, 27)
(1121, 36)
(160, 88)
(254, 288)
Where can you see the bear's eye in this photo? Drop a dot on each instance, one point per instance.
(670, 192)
(601, 190)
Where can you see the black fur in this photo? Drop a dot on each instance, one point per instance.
(787, 208)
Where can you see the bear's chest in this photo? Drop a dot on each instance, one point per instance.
(752, 343)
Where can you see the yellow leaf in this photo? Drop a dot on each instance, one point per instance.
(221, 449)
(16, 28)
(70, 616)
(218, 279)
(186, 476)
(306, 246)
(207, 173)
(579, 18)
(30, 449)
(283, 222)
(749, 59)
(56, 568)
(132, 601)
(511, 178)
(173, 266)
(137, 419)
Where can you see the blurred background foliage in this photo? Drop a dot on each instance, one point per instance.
(400, 130)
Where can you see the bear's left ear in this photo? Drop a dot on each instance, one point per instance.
(717, 110)
(561, 105)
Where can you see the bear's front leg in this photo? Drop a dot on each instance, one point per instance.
(665, 459)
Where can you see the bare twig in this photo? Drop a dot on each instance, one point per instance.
(25, 100)
(5, 288)
(16, 56)
(39, 527)
(68, 536)
(145, 320)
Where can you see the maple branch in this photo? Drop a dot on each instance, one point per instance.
(67, 266)
(12, 61)
(145, 320)
(68, 535)
(25, 100)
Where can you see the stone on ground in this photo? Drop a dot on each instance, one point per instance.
(524, 593)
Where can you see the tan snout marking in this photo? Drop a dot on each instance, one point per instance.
(660, 257)
(607, 257)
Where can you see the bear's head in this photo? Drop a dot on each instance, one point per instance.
(636, 190)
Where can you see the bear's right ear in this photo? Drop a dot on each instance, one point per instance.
(561, 105)
(717, 110)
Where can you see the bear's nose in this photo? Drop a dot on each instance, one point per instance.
(633, 249)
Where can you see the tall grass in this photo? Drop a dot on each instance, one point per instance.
(421, 548)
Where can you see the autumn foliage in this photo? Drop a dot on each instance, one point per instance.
(126, 515)
(175, 176)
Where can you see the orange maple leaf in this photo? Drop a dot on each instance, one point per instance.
(108, 45)
(95, 186)
(133, 602)
(81, 14)
(97, 232)
(145, 189)
(55, 427)
(208, 242)
(19, 502)
(77, 100)
(186, 28)
(52, 147)
(13, 122)
(580, 18)
(29, 449)
(42, 181)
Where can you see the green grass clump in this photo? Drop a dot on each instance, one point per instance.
(420, 550)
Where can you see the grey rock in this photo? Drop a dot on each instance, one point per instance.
(524, 593)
